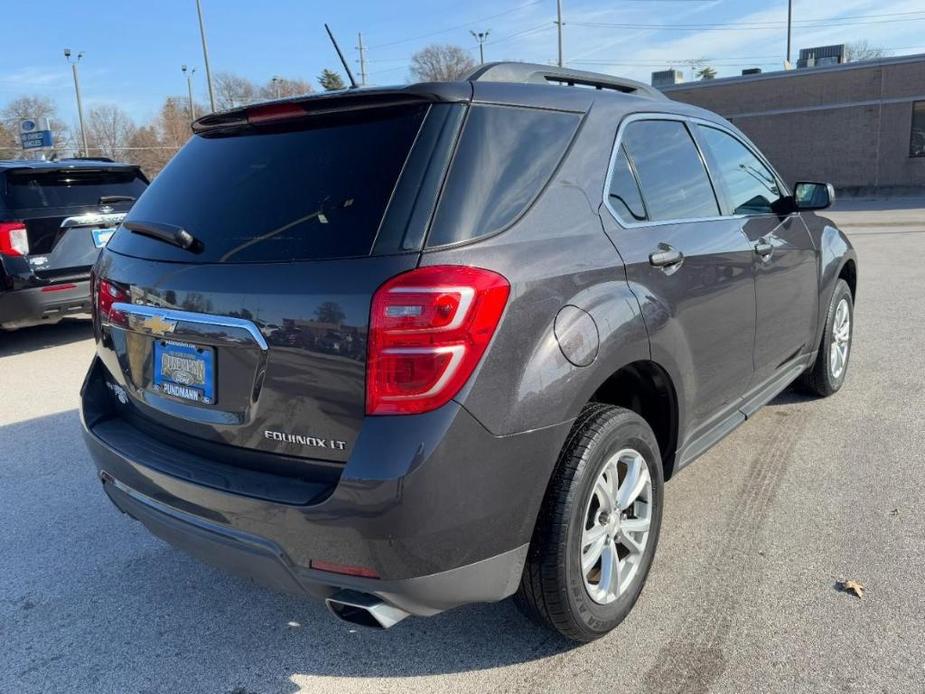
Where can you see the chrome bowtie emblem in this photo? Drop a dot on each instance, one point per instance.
(158, 324)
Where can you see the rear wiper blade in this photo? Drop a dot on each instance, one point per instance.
(168, 233)
(109, 199)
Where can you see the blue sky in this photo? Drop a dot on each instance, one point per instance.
(133, 50)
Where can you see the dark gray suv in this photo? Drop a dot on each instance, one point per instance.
(403, 349)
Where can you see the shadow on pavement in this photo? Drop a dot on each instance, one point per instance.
(42, 336)
(89, 597)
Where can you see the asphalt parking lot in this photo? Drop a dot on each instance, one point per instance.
(741, 597)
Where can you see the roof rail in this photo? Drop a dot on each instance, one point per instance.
(543, 74)
(87, 159)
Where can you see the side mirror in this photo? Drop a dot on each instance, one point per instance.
(813, 196)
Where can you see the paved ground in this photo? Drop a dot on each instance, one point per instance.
(741, 596)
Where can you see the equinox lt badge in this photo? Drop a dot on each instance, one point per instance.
(305, 440)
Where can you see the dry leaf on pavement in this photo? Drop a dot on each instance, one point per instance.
(851, 586)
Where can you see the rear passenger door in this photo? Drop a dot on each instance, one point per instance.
(690, 268)
(784, 258)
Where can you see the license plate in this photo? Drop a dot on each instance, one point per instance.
(185, 371)
(101, 236)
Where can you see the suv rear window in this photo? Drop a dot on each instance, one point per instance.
(505, 157)
(27, 190)
(318, 191)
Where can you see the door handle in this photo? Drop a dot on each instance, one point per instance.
(764, 248)
(665, 256)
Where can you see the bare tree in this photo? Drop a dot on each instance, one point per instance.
(109, 129)
(36, 108)
(441, 63)
(146, 149)
(9, 147)
(232, 91)
(283, 87)
(862, 50)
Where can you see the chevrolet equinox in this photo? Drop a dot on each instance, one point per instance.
(402, 349)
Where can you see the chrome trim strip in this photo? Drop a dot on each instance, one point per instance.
(139, 311)
(687, 120)
(94, 219)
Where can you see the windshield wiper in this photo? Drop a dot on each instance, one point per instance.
(168, 233)
(109, 199)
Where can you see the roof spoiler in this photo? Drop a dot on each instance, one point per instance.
(532, 73)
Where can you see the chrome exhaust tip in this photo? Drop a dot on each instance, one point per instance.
(364, 609)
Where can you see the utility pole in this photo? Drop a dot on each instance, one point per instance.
(559, 28)
(480, 37)
(80, 108)
(789, 19)
(362, 49)
(189, 91)
(205, 55)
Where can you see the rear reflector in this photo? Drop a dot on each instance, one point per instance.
(13, 239)
(58, 287)
(343, 569)
(428, 330)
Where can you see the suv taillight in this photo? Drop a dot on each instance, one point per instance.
(109, 293)
(428, 330)
(13, 239)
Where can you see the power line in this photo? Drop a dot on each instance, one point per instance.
(762, 26)
(457, 27)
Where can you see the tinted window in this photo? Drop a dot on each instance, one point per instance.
(71, 188)
(749, 187)
(917, 141)
(624, 191)
(505, 157)
(673, 181)
(275, 194)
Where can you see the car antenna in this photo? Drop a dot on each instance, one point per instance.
(353, 82)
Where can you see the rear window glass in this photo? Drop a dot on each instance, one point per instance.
(623, 194)
(671, 174)
(278, 194)
(41, 189)
(505, 157)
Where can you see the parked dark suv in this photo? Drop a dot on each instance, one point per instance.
(54, 218)
(404, 349)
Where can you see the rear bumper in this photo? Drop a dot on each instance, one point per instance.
(436, 506)
(49, 303)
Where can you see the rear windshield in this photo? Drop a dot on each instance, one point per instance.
(25, 190)
(277, 194)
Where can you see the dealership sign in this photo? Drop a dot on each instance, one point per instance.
(34, 135)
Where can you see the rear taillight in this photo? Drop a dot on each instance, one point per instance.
(428, 330)
(13, 239)
(108, 293)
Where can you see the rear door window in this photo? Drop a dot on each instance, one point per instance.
(314, 190)
(36, 189)
(623, 193)
(748, 185)
(505, 157)
(671, 173)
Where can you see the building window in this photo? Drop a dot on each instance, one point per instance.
(917, 143)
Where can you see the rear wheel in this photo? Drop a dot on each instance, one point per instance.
(827, 374)
(598, 528)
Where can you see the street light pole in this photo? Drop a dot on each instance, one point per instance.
(480, 37)
(80, 108)
(275, 80)
(189, 91)
(205, 55)
(789, 18)
(559, 28)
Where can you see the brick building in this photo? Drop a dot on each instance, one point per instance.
(860, 126)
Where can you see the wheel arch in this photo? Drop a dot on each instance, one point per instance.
(645, 387)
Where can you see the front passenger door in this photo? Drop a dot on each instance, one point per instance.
(786, 273)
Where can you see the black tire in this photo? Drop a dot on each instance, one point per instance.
(820, 379)
(552, 589)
